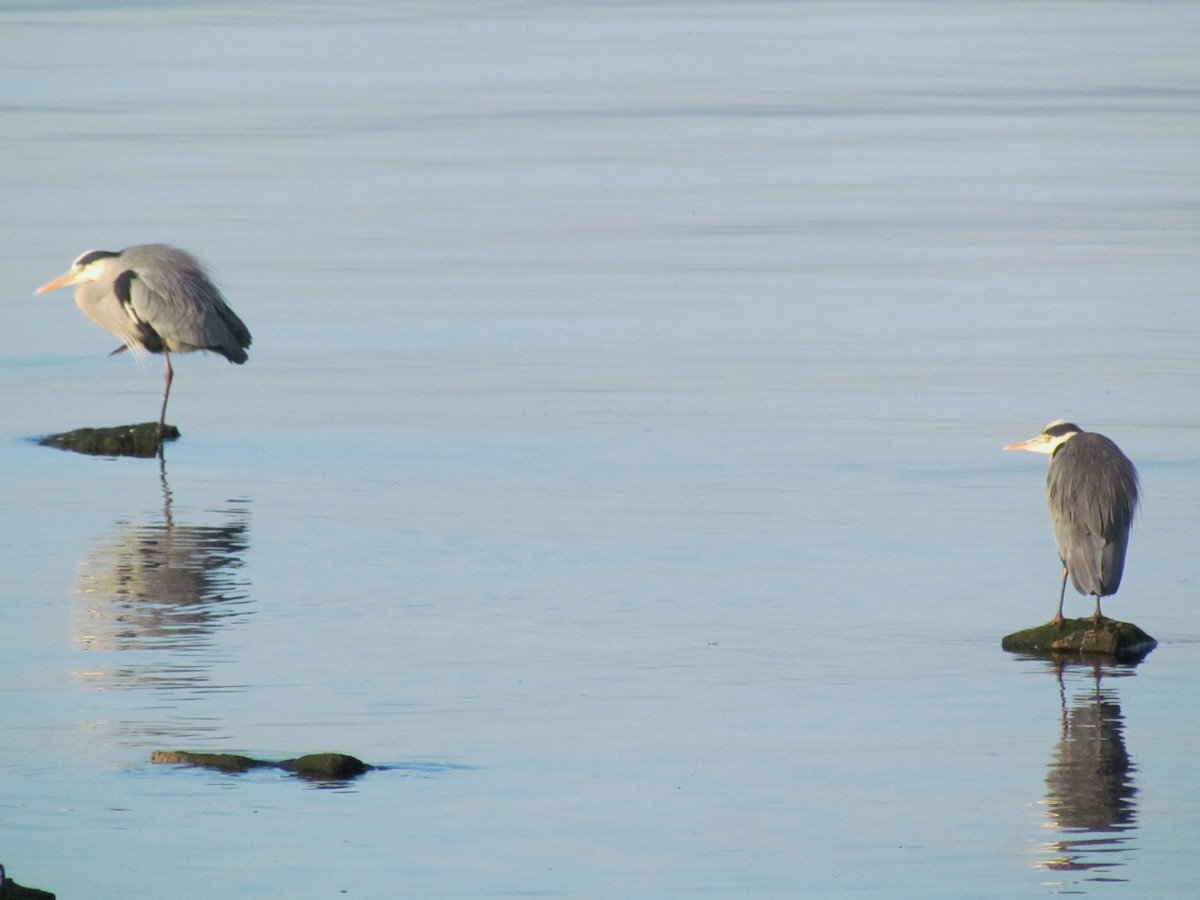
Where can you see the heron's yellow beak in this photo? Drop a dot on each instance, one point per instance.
(60, 281)
(1039, 444)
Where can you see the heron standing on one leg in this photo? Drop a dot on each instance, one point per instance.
(156, 298)
(1092, 489)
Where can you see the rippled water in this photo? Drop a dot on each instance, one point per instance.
(617, 462)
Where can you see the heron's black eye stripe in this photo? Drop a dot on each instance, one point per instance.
(88, 258)
(1063, 428)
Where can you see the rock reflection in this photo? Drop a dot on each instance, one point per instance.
(162, 589)
(1090, 794)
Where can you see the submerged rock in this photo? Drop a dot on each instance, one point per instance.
(10, 890)
(222, 762)
(326, 765)
(319, 766)
(1108, 637)
(120, 440)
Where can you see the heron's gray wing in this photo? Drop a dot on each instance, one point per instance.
(1112, 562)
(186, 310)
(1080, 550)
(1093, 493)
(123, 290)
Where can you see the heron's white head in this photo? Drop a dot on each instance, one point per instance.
(88, 267)
(1052, 437)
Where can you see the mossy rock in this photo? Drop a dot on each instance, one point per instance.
(221, 762)
(120, 440)
(1083, 637)
(10, 890)
(337, 766)
(317, 766)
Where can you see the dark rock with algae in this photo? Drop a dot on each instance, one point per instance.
(10, 890)
(319, 766)
(221, 762)
(120, 440)
(1077, 637)
(326, 765)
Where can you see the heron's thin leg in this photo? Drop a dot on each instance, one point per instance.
(1096, 616)
(167, 377)
(1058, 616)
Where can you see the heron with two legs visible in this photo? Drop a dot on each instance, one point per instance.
(1092, 491)
(158, 299)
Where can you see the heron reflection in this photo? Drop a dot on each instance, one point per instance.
(164, 588)
(1090, 791)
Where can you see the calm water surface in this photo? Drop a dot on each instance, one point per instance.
(618, 458)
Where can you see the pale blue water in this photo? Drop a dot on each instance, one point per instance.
(618, 459)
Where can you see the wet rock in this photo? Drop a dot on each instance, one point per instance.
(317, 766)
(337, 766)
(10, 890)
(1077, 637)
(222, 762)
(120, 440)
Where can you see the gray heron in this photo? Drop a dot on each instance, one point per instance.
(1092, 491)
(155, 298)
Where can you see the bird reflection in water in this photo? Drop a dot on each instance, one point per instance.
(157, 592)
(1090, 794)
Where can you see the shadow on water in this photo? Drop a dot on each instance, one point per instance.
(151, 596)
(1091, 798)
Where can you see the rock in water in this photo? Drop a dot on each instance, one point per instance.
(317, 766)
(120, 440)
(10, 890)
(222, 762)
(337, 766)
(1108, 637)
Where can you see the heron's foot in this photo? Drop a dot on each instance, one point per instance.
(1058, 621)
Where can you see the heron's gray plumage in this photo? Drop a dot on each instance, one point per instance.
(1092, 489)
(156, 298)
